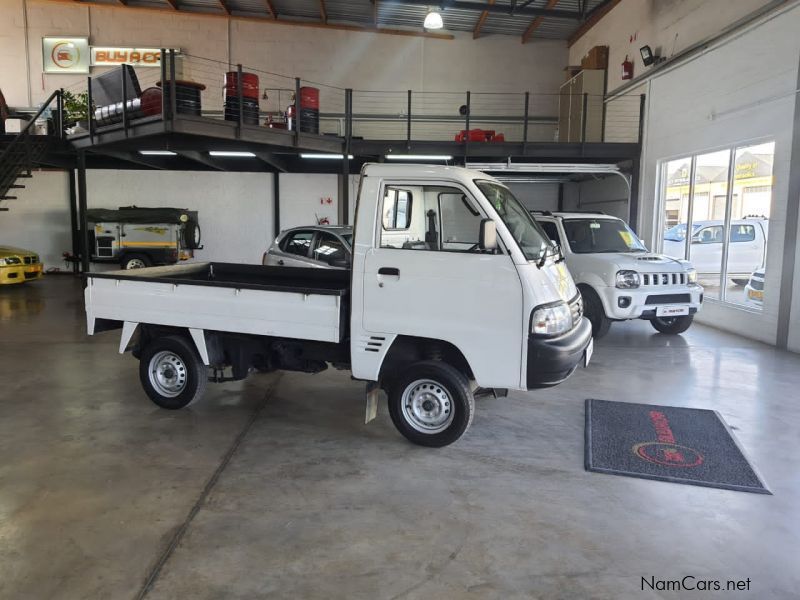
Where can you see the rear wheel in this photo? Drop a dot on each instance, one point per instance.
(136, 261)
(593, 310)
(172, 373)
(672, 325)
(431, 404)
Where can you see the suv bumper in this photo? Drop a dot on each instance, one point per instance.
(643, 302)
(552, 360)
(20, 273)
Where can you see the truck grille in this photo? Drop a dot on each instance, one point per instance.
(663, 279)
(576, 308)
(668, 299)
(29, 260)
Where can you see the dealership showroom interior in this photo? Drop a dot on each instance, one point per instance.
(399, 299)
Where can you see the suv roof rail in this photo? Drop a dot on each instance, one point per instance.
(586, 212)
(763, 217)
(545, 213)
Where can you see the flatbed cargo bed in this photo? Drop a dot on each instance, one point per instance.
(287, 302)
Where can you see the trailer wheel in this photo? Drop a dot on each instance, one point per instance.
(136, 261)
(172, 373)
(431, 404)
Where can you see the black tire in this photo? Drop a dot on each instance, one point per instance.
(189, 370)
(135, 261)
(593, 310)
(192, 236)
(452, 392)
(672, 325)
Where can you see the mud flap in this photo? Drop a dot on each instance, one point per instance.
(371, 394)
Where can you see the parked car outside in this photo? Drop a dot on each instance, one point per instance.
(317, 246)
(18, 265)
(754, 289)
(746, 250)
(618, 277)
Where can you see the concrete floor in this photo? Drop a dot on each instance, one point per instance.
(274, 488)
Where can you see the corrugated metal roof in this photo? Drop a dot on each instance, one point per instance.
(396, 14)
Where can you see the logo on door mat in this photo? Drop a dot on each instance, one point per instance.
(666, 451)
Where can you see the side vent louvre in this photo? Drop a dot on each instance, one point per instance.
(374, 343)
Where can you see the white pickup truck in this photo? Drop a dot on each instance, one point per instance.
(618, 278)
(453, 287)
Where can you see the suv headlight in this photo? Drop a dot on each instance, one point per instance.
(2, 262)
(692, 275)
(551, 320)
(628, 279)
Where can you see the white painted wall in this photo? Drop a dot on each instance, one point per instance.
(737, 91)
(235, 209)
(304, 199)
(667, 26)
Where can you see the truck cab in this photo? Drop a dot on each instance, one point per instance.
(453, 287)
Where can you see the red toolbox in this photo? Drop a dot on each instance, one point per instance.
(479, 135)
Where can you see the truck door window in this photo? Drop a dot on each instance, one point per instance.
(743, 233)
(708, 235)
(298, 243)
(443, 219)
(328, 248)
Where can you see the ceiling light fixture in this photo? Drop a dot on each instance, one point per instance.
(226, 153)
(157, 153)
(433, 20)
(418, 157)
(327, 156)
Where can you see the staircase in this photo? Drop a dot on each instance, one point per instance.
(18, 157)
(20, 154)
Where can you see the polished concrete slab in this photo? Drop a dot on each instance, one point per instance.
(275, 488)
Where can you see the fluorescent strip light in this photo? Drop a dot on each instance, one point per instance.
(225, 153)
(418, 157)
(327, 156)
(157, 153)
(509, 167)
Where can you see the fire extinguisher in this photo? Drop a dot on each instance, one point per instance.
(627, 68)
(291, 115)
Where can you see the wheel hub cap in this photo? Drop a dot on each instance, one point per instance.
(427, 406)
(167, 374)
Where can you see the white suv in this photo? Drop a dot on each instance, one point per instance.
(617, 276)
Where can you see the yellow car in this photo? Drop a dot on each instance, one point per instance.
(18, 265)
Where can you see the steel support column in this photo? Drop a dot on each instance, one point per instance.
(73, 218)
(84, 225)
(276, 198)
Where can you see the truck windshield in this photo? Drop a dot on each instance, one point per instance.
(587, 236)
(529, 235)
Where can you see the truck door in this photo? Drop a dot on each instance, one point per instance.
(746, 251)
(425, 276)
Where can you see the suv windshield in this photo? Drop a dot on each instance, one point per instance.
(587, 236)
(530, 237)
(678, 232)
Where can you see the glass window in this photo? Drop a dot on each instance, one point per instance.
(531, 238)
(396, 209)
(590, 236)
(298, 243)
(444, 219)
(329, 249)
(675, 199)
(551, 230)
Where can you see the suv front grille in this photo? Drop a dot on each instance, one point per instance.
(668, 299)
(663, 279)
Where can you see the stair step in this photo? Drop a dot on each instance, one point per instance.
(16, 186)
(8, 198)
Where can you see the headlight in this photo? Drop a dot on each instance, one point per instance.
(692, 274)
(2, 262)
(551, 320)
(627, 280)
(11, 260)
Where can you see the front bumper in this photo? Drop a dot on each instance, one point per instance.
(642, 302)
(552, 360)
(20, 273)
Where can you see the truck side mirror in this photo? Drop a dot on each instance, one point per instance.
(488, 235)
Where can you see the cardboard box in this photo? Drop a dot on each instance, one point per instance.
(596, 58)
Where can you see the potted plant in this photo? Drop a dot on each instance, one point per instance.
(76, 114)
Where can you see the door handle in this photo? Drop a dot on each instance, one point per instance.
(389, 271)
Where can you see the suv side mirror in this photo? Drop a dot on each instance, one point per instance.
(342, 263)
(488, 235)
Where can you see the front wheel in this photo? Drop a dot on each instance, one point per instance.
(431, 404)
(136, 261)
(672, 325)
(593, 310)
(172, 373)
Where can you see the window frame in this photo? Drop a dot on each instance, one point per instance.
(409, 211)
(291, 234)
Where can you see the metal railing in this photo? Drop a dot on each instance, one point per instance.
(407, 115)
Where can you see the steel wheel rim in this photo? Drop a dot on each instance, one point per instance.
(427, 406)
(167, 373)
(135, 263)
